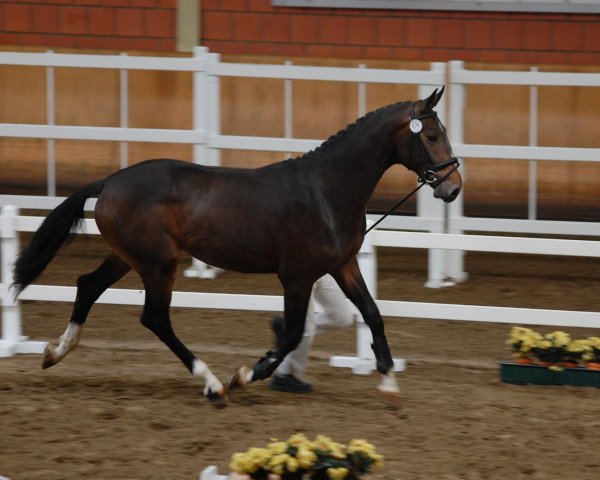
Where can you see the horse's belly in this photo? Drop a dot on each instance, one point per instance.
(234, 251)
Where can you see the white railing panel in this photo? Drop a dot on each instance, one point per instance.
(338, 74)
(495, 77)
(478, 313)
(483, 243)
(538, 227)
(273, 144)
(31, 224)
(116, 134)
(39, 202)
(75, 60)
(119, 296)
(518, 152)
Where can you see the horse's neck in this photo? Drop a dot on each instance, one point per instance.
(355, 168)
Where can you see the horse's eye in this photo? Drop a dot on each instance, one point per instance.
(432, 138)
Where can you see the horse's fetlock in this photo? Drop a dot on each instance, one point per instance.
(266, 365)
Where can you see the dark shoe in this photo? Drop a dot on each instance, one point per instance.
(277, 327)
(290, 384)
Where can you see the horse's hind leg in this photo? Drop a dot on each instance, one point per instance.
(158, 280)
(89, 288)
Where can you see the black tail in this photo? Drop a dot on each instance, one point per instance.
(55, 231)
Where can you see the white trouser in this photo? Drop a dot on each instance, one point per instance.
(328, 309)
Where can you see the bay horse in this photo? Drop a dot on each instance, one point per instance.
(300, 218)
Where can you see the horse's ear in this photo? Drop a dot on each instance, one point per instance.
(433, 99)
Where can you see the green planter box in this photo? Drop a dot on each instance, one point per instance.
(511, 372)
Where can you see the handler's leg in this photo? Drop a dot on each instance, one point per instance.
(328, 310)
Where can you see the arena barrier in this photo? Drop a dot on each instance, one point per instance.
(432, 216)
(445, 267)
(11, 223)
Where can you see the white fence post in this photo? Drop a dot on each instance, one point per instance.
(213, 109)
(431, 208)
(124, 112)
(12, 341)
(455, 263)
(202, 154)
(50, 142)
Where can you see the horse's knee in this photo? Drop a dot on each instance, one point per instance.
(150, 322)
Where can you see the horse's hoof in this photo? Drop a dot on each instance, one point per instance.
(392, 398)
(48, 358)
(240, 377)
(217, 399)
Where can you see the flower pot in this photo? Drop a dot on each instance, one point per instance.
(569, 364)
(524, 360)
(592, 365)
(542, 363)
(512, 372)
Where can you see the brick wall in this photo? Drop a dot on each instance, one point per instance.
(89, 24)
(254, 27)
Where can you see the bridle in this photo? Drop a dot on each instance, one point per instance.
(415, 126)
(428, 176)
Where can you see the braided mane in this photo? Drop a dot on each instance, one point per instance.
(352, 127)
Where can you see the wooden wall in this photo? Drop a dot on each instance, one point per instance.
(496, 115)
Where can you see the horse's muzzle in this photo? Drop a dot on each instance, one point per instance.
(447, 191)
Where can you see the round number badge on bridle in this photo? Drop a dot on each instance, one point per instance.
(415, 125)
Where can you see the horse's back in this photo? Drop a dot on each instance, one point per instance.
(218, 215)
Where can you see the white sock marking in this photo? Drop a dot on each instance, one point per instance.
(68, 341)
(388, 383)
(211, 381)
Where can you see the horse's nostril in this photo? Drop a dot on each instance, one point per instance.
(452, 196)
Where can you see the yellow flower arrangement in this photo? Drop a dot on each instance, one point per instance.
(299, 457)
(522, 341)
(554, 349)
(593, 352)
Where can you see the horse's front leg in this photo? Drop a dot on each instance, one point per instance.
(353, 285)
(296, 298)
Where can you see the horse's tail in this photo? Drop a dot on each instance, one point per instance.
(54, 232)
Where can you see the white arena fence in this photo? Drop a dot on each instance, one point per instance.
(445, 223)
(11, 224)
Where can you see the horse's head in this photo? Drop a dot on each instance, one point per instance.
(427, 151)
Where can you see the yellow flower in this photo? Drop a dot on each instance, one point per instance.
(277, 447)
(558, 338)
(278, 462)
(293, 464)
(523, 339)
(367, 449)
(306, 458)
(299, 439)
(326, 444)
(579, 346)
(250, 461)
(337, 473)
